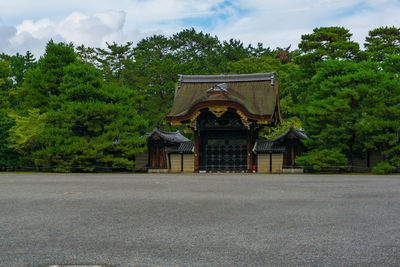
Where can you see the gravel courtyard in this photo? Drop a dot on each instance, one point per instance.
(199, 219)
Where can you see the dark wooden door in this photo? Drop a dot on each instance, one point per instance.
(294, 148)
(224, 150)
(157, 156)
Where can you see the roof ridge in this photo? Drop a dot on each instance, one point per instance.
(270, 76)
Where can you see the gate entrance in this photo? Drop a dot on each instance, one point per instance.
(224, 151)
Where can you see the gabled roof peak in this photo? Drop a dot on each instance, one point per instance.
(297, 133)
(222, 87)
(218, 90)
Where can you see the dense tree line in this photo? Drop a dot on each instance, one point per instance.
(84, 108)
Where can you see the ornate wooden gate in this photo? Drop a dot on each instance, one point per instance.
(224, 150)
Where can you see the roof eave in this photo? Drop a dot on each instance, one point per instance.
(205, 104)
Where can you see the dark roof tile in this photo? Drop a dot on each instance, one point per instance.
(266, 146)
(172, 137)
(185, 147)
(290, 133)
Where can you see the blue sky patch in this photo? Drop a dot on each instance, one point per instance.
(221, 13)
(353, 10)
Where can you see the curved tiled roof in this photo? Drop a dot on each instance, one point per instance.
(172, 137)
(255, 94)
(295, 133)
(277, 145)
(268, 146)
(185, 147)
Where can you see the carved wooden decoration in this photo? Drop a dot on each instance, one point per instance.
(218, 111)
(244, 118)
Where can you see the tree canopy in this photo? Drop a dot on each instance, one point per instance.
(381, 42)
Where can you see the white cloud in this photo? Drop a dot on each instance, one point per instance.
(138, 20)
(274, 23)
(91, 30)
(40, 29)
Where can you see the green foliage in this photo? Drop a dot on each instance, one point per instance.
(234, 50)
(325, 159)
(155, 77)
(87, 55)
(388, 119)
(351, 107)
(288, 89)
(189, 45)
(113, 59)
(5, 86)
(7, 156)
(90, 125)
(254, 65)
(277, 131)
(26, 132)
(384, 167)
(43, 81)
(327, 43)
(382, 41)
(19, 64)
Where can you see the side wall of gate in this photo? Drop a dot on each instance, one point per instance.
(270, 162)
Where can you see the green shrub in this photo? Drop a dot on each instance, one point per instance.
(383, 167)
(322, 160)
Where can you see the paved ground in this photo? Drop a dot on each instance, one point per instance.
(199, 220)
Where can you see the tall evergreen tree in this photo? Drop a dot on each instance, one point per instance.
(351, 107)
(7, 156)
(5, 86)
(327, 43)
(382, 41)
(43, 81)
(113, 60)
(90, 125)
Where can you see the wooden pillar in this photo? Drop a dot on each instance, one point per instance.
(196, 150)
(270, 162)
(169, 161)
(181, 162)
(148, 156)
(249, 142)
(292, 154)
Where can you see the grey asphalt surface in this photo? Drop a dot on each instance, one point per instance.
(199, 220)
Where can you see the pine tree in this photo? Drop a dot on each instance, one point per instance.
(90, 125)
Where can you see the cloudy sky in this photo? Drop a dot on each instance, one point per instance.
(28, 25)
